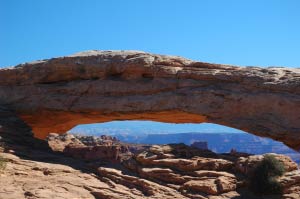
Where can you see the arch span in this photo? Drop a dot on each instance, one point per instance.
(99, 86)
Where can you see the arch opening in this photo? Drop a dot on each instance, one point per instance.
(214, 137)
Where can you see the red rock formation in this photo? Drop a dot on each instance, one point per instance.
(200, 177)
(93, 152)
(40, 174)
(99, 86)
(88, 148)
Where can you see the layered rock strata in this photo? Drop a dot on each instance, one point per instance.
(170, 175)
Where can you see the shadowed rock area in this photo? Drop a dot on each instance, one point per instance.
(54, 95)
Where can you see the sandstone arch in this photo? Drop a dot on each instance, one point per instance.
(97, 86)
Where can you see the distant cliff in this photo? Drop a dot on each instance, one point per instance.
(218, 142)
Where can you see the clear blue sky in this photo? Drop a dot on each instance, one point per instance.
(240, 32)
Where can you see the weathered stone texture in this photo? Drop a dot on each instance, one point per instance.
(97, 86)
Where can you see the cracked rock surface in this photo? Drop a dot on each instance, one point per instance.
(44, 175)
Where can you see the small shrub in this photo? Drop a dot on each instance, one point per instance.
(263, 180)
(2, 163)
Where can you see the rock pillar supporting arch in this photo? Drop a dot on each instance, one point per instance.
(99, 86)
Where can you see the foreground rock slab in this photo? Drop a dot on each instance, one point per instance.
(45, 175)
(54, 95)
(32, 179)
(25, 179)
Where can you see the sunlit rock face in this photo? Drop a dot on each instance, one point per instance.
(54, 95)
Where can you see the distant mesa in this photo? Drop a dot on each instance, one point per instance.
(200, 145)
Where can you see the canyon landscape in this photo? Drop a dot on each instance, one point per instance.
(42, 100)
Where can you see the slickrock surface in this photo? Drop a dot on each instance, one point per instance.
(44, 175)
(54, 95)
(291, 184)
(202, 177)
(23, 179)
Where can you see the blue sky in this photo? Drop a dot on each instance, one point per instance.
(248, 32)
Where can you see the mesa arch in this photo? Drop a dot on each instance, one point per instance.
(98, 86)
